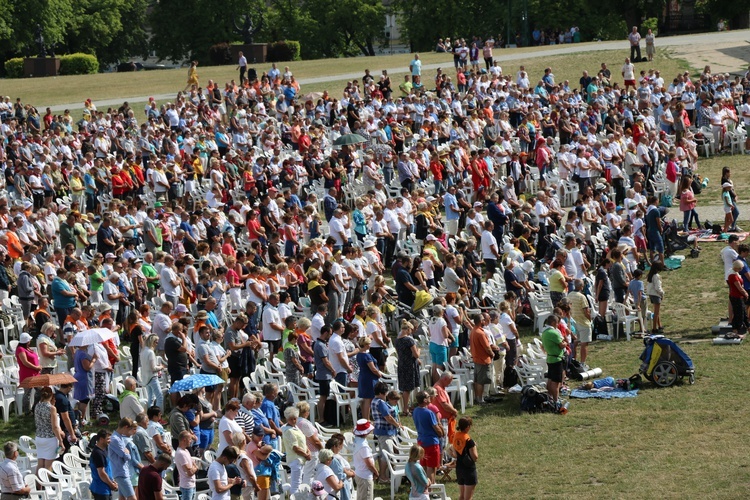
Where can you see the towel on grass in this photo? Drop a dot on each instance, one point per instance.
(617, 393)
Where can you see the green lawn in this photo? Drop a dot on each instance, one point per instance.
(75, 89)
(682, 442)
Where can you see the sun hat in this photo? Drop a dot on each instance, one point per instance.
(181, 308)
(25, 338)
(318, 489)
(364, 427)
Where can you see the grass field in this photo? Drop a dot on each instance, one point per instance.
(682, 442)
(43, 92)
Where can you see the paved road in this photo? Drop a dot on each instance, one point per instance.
(702, 39)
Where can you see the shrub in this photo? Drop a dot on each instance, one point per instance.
(14, 67)
(78, 64)
(220, 54)
(285, 50)
(650, 23)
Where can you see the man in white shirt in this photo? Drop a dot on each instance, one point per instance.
(337, 230)
(170, 282)
(242, 66)
(490, 252)
(635, 44)
(318, 321)
(628, 73)
(111, 293)
(272, 325)
(162, 325)
(338, 357)
(218, 480)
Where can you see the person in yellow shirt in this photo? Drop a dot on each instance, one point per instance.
(406, 86)
(295, 445)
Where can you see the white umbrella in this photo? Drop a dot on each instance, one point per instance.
(93, 336)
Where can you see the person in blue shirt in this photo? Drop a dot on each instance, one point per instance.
(271, 412)
(119, 457)
(102, 483)
(63, 295)
(429, 432)
(452, 211)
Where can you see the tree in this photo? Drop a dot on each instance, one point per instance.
(54, 16)
(113, 30)
(187, 28)
(352, 26)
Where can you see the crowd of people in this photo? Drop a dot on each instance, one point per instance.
(224, 230)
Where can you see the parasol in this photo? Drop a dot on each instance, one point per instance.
(91, 337)
(195, 381)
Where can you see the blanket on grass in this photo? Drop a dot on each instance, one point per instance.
(617, 393)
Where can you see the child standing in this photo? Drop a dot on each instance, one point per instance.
(639, 235)
(655, 294)
(737, 296)
(726, 198)
(687, 204)
(638, 293)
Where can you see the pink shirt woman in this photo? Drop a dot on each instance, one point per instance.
(28, 362)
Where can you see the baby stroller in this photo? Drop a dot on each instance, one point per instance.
(673, 241)
(417, 314)
(663, 362)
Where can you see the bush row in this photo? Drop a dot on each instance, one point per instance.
(70, 64)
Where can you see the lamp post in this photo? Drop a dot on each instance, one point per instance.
(525, 23)
(507, 36)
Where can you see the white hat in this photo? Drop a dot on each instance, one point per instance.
(507, 248)
(25, 338)
(110, 256)
(369, 244)
(431, 237)
(528, 266)
(28, 204)
(181, 308)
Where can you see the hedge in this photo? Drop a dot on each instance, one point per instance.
(78, 64)
(14, 67)
(220, 54)
(285, 50)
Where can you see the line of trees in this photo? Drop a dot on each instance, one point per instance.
(118, 30)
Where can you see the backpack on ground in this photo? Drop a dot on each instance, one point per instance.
(599, 326)
(575, 369)
(534, 400)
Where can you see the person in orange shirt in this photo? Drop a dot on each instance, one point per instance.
(482, 354)
(15, 249)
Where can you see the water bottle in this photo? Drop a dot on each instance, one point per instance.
(603, 337)
(705, 182)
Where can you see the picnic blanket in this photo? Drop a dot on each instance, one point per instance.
(669, 263)
(617, 393)
(708, 236)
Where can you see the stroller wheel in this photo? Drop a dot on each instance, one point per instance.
(665, 374)
(691, 378)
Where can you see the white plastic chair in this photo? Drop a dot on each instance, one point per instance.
(626, 317)
(345, 398)
(396, 469)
